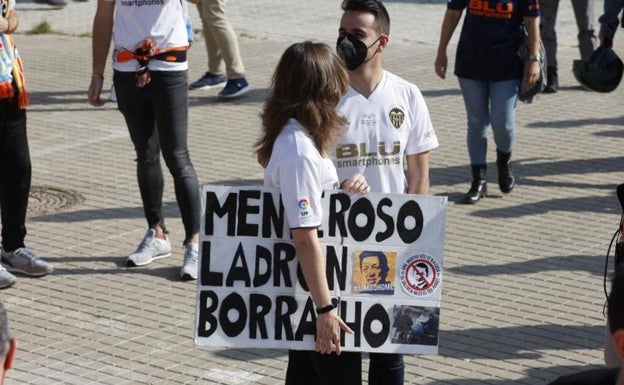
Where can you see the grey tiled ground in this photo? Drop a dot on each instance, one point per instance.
(522, 298)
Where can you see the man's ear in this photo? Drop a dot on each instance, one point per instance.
(383, 41)
(8, 360)
(618, 343)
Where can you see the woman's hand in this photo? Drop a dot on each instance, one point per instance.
(356, 184)
(328, 327)
(95, 89)
(532, 72)
(441, 64)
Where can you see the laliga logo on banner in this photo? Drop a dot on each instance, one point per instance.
(420, 275)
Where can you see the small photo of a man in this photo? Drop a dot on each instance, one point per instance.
(373, 272)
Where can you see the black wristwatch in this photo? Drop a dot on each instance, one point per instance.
(328, 308)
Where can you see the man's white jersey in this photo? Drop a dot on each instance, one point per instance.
(391, 123)
(301, 174)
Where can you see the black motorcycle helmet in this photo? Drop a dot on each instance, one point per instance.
(602, 73)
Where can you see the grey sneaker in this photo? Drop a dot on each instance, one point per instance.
(150, 249)
(189, 268)
(6, 279)
(25, 261)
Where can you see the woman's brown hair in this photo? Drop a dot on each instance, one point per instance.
(307, 85)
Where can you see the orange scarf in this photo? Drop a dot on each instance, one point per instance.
(9, 57)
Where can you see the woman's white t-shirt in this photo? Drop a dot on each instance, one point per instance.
(161, 20)
(301, 173)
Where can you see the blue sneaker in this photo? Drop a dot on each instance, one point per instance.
(235, 88)
(208, 81)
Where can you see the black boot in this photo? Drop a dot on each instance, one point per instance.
(552, 81)
(478, 188)
(506, 181)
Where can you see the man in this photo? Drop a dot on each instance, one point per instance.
(388, 121)
(609, 21)
(8, 345)
(15, 166)
(374, 267)
(584, 15)
(401, 326)
(374, 273)
(615, 317)
(225, 65)
(420, 275)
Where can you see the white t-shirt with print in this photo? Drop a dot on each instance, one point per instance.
(136, 20)
(391, 123)
(9, 64)
(301, 174)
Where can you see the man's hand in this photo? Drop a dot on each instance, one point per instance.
(356, 185)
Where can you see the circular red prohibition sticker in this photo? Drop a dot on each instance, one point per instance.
(420, 275)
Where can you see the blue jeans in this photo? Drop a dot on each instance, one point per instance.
(157, 118)
(15, 174)
(489, 103)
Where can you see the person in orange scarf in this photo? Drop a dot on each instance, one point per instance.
(15, 167)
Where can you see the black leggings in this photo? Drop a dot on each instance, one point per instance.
(157, 119)
(15, 174)
(312, 368)
(386, 369)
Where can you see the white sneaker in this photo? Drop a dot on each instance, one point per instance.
(189, 268)
(6, 279)
(150, 249)
(25, 261)
(112, 95)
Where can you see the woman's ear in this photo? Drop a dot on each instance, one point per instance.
(618, 343)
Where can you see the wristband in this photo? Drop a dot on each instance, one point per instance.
(328, 308)
(97, 75)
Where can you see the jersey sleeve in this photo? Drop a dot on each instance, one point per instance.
(422, 136)
(530, 8)
(456, 4)
(301, 189)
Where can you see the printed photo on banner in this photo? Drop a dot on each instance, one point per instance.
(383, 255)
(374, 272)
(415, 325)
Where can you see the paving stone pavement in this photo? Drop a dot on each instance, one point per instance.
(522, 298)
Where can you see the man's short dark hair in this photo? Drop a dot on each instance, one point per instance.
(382, 19)
(424, 266)
(5, 337)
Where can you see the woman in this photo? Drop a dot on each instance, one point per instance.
(490, 73)
(300, 126)
(150, 82)
(15, 164)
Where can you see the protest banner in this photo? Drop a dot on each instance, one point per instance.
(383, 253)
